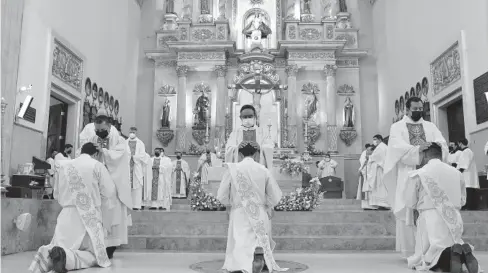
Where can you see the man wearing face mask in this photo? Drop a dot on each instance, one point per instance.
(113, 153)
(157, 187)
(251, 133)
(454, 154)
(408, 138)
(180, 176)
(374, 187)
(89, 132)
(327, 167)
(65, 155)
(206, 160)
(137, 163)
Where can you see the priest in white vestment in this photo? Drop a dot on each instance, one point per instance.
(408, 138)
(249, 233)
(180, 176)
(137, 162)
(157, 185)
(377, 195)
(113, 153)
(363, 171)
(327, 167)
(249, 131)
(86, 192)
(467, 166)
(206, 160)
(438, 192)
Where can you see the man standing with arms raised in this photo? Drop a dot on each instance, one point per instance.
(409, 137)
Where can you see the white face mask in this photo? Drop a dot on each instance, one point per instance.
(375, 142)
(248, 122)
(327, 159)
(132, 135)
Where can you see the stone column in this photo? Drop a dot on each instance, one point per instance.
(292, 112)
(181, 109)
(330, 73)
(221, 99)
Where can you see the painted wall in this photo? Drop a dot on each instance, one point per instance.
(104, 33)
(410, 34)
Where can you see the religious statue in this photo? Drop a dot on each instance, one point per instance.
(222, 9)
(165, 116)
(202, 110)
(348, 113)
(307, 6)
(342, 6)
(311, 106)
(204, 7)
(170, 6)
(186, 12)
(330, 8)
(257, 30)
(290, 11)
(256, 102)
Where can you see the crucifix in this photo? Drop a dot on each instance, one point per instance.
(258, 87)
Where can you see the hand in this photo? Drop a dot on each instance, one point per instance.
(424, 146)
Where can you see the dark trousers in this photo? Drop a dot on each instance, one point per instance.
(444, 262)
(110, 251)
(471, 199)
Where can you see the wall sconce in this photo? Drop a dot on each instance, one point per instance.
(23, 221)
(20, 111)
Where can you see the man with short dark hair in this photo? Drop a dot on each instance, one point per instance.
(180, 176)
(374, 187)
(438, 192)
(408, 138)
(157, 187)
(467, 166)
(137, 164)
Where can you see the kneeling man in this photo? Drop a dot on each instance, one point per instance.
(438, 192)
(83, 187)
(249, 237)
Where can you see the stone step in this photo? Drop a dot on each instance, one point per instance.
(344, 216)
(200, 243)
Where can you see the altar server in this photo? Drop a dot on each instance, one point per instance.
(467, 166)
(408, 138)
(374, 186)
(180, 176)
(438, 192)
(86, 192)
(327, 166)
(249, 131)
(206, 160)
(113, 153)
(249, 233)
(137, 163)
(363, 172)
(157, 185)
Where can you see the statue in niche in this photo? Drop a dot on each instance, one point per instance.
(202, 110)
(348, 113)
(222, 9)
(342, 6)
(204, 7)
(311, 106)
(307, 6)
(290, 11)
(186, 12)
(330, 8)
(257, 30)
(165, 116)
(170, 7)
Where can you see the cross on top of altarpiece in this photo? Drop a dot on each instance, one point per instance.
(257, 85)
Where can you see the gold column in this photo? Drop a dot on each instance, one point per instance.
(330, 73)
(181, 109)
(221, 100)
(292, 109)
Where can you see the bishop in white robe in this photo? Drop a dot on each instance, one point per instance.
(180, 177)
(86, 192)
(327, 167)
(249, 132)
(137, 162)
(89, 131)
(467, 166)
(205, 161)
(251, 192)
(157, 185)
(374, 186)
(438, 192)
(113, 153)
(408, 138)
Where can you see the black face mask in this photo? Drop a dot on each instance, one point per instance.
(157, 154)
(178, 157)
(417, 115)
(68, 152)
(102, 134)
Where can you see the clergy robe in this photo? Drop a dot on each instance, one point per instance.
(403, 156)
(116, 159)
(438, 192)
(363, 171)
(157, 185)
(89, 131)
(137, 162)
(374, 186)
(180, 178)
(453, 158)
(466, 161)
(327, 168)
(205, 161)
(249, 223)
(87, 194)
(256, 134)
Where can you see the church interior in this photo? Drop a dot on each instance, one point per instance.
(324, 77)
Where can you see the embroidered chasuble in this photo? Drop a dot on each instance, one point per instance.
(416, 135)
(132, 146)
(254, 134)
(249, 135)
(155, 180)
(178, 171)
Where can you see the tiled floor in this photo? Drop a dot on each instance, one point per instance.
(344, 262)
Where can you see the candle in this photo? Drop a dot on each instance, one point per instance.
(269, 121)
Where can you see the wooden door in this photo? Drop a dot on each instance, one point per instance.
(455, 121)
(56, 130)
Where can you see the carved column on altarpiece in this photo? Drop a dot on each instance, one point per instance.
(181, 109)
(292, 113)
(220, 111)
(330, 73)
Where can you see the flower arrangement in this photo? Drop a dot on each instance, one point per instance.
(200, 199)
(314, 151)
(195, 150)
(301, 199)
(306, 157)
(293, 167)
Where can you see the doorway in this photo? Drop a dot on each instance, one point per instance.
(56, 129)
(455, 121)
